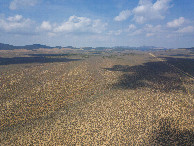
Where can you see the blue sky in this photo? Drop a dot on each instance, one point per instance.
(162, 23)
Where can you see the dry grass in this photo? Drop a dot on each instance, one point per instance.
(77, 103)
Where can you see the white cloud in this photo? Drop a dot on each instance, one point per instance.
(14, 23)
(187, 29)
(81, 24)
(153, 29)
(123, 15)
(74, 24)
(15, 4)
(136, 32)
(98, 26)
(131, 27)
(176, 23)
(161, 5)
(115, 32)
(51, 34)
(150, 34)
(140, 19)
(146, 10)
(15, 18)
(148, 30)
(45, 26)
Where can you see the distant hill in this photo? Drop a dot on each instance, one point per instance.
(123, 48)
(6, 47)
(96, 49)
(28, 47)
(36, 46)
(116, 48)
(142, 48)
(192, 48)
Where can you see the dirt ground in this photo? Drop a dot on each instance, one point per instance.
(89, 98)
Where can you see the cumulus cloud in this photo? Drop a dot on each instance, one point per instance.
(151, 30)
(115, 32)
(15, 18)
(146, 10)
(15, 23)
(15, 4)
(123, 15)
(150, 34)
(148, 30)
(176, 23)
(45, 25)
(131, 27)
(81, 24)
(187, 29)
(136, 32)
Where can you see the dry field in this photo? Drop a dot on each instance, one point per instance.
(89, 98)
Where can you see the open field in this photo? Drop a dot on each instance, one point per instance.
(65, 97)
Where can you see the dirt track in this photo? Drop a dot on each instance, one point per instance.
(122, 100)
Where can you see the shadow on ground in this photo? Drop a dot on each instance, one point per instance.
(182, 55)
(154, 75)
(168, 133)
(48, 55)
(36, 58)
(185, 64)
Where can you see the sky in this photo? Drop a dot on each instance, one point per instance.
(95, 23)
